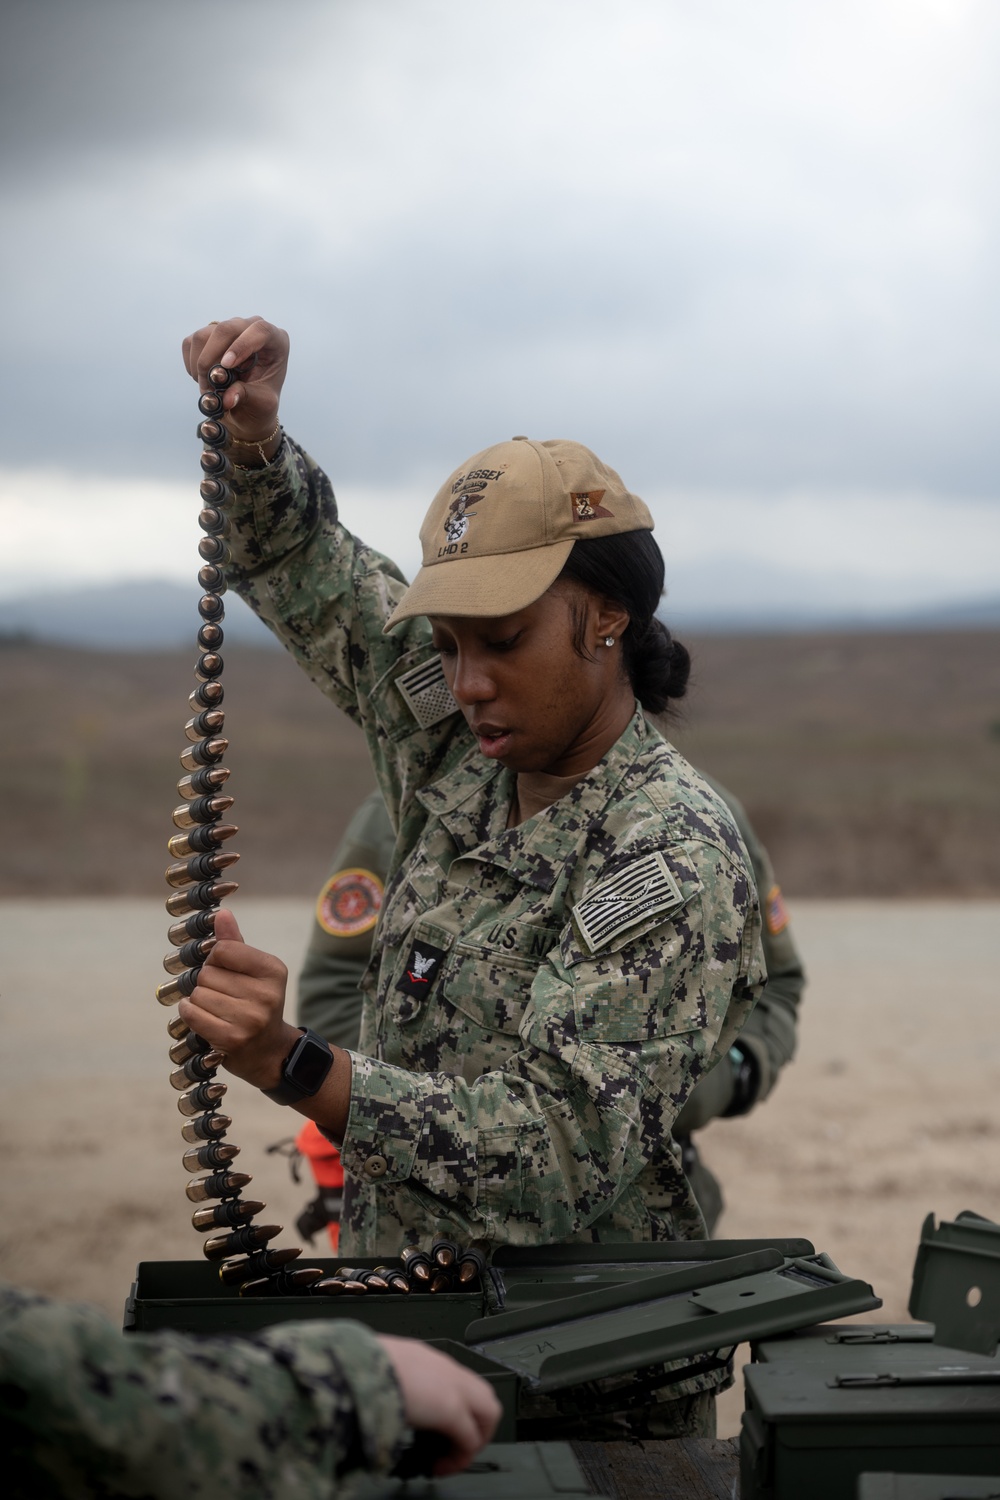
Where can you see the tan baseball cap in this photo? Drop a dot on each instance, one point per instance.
(501, 527)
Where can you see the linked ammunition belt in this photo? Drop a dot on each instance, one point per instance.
(239, 1245)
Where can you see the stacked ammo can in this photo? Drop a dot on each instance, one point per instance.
(238, 1244)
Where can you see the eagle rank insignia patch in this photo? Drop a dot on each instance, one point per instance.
(644, 887)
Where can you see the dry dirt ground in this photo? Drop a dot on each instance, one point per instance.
(890, 1111)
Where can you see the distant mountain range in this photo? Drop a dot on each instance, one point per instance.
(154, 614)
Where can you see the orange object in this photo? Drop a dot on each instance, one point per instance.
(325, 1164)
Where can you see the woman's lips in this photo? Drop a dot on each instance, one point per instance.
(493, 742)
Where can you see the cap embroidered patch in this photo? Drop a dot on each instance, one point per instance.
(421, 970)
(587, 506)
(349, 903)
(643, 887)
(427, 694)
(777, 912)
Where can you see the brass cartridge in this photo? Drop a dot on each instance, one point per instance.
(210, 576)
(198, 924)
(227, 1215)
(210, 606)
(330, 1287)
(239, 1241)
(200, 810)
(213, 434)
(209, 721)
(199, 867)
(214, 550)
(214, 521)
(178, 1027)
(215, 491)
(204, 753)
(207, 694)
(188, 957)
(416, 1264)
(195, 1070)
(203, 782)
(441, 1282)
(205, 1127)
(215, 463)
(394, 1279)
(210, 637)
(444, 1253)
(212, 1154)
(199, 840)
(199, 897)
(172, 990)
(373, 1282)
(210, 404)
(203, 1096)
(219, 1185)
(189, 1045)
(472, 1263)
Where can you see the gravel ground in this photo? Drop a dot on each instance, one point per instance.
(889, 1112)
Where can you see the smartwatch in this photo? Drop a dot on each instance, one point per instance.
(304, 1070)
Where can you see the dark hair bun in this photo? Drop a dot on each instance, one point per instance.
(628, 568)
(659, 668)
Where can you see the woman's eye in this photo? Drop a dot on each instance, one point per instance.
(443, 650)
(505, 645)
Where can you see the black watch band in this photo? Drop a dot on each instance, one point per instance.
(304, 1070)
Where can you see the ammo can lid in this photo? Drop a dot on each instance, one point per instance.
(940, 1391)
(692, 1310)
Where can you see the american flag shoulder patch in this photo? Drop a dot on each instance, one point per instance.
(643, 888)
(426, 693)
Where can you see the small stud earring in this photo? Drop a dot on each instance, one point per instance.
(609, 640)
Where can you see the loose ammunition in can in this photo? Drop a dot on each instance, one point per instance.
(228, 1214)
(210, 637)
(207, 694)
(444, 1253)
(214, 550)
(472, 1263)
(219, 1185)
(200, 840)
(198, 897)
(205, 1128)
(416, 1263)
(213, 434)
(203, 782)
(205, 753)
(330, 1287)
(261, 1288)
(199, 924)
(210, 403)
(373, 1282)
(212, 577)
(239, 1241)
(215, 491)
(208, 721)
(203, 1096)
(283, 1283)
(213, 461)
(441, 1282)
(260, 1263)
(302, 1277)
(198, 867)
(200, 810)
(210, 663)
(189, 1044)
(172, 990)
(195, 1070)
(394, 1279)
(212, 1154)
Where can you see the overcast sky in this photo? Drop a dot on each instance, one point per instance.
(746, 252)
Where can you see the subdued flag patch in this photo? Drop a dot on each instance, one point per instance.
(776, 914)
(349, 903)
(426, 693)
(644, 887)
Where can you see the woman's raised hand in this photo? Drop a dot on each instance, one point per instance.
(251, 402)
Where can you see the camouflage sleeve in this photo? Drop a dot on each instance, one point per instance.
(611, 1043)
(340, 946)
(88, 1411)
(326, 596)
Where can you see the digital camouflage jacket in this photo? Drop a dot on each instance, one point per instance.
(87, 1411)
(542, 998)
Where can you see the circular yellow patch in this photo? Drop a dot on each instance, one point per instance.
(349, 903)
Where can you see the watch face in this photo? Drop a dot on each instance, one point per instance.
(309, 1064)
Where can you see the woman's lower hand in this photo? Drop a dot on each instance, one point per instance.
(238, 1006)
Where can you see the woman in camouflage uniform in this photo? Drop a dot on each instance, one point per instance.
(570, 936)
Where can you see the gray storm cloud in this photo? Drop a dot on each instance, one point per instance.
(725, 245)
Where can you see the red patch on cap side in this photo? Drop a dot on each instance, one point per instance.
(349, 903)
(587, 505)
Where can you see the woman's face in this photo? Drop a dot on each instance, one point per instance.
(532, 701)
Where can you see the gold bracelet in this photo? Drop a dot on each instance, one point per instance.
(258, 445)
